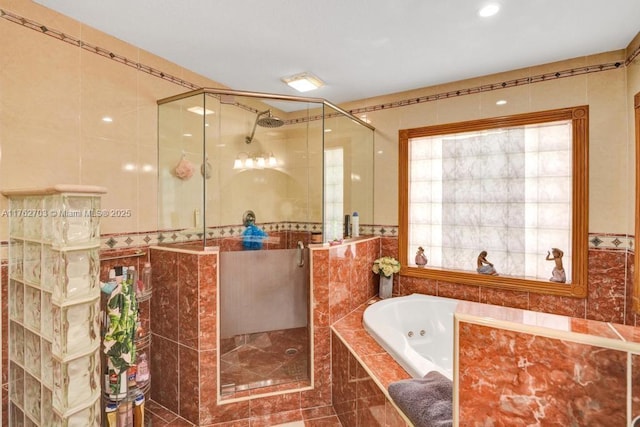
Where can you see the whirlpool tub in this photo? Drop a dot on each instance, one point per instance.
(416, 330)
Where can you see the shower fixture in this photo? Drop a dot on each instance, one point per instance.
(266, 122)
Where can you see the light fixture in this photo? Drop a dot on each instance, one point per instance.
(489, 10)
(257, 161)
(501, 102)
(303, 82)
(201, 111)
(107, 119)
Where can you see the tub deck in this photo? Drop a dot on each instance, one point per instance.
(380, 366)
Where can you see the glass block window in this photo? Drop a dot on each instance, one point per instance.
(507, 191)
(514, 186)
(333, 193)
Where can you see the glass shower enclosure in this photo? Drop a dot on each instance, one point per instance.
(260, 177)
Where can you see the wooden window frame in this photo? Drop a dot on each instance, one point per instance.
(579, 117)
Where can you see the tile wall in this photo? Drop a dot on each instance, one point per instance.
(519, 369)
(183, 364)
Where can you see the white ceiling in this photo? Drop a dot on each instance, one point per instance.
(360, 48)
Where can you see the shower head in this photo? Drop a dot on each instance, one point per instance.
(266, 122)
(270, 122)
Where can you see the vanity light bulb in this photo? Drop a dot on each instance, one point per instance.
(248, 163)
(260, 162)
(272, 161)
(237, 164)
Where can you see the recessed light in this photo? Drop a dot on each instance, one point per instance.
(303, 82)
(187, 134)
(501, 102)
(489, 10)
(107, 119)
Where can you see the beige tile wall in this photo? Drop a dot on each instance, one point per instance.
(54, 94)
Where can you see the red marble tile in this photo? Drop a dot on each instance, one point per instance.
(164, 372)
(511, 378)
(339, 297)
(188, 299)
(566, 306)
(331, 421)
(607, 277)
(593, 327)
(208, 270)
(239, 423)
(188, 387)
(385, 369)
(351, 321)
(344, 390)
(339, 264)
(459, 291)
(629, 333)
(416, 285)
(274, 404)
(360, 289)
(164, 306)
(392, 417)
(389, 247)
(362, 344)
(318, 412)
(504, 297)
(224, 413)
(631, 315)
(269, 420)
(321, 311)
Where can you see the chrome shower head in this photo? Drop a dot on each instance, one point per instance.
(266, 122)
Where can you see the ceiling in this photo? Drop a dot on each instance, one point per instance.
(360, 48)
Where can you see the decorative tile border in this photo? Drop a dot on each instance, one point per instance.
(33, 25)
(611, 241)
(601, 241)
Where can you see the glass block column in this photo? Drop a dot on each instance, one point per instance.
(54, 306)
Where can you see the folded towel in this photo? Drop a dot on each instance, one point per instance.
(252, 237)
(427, 401)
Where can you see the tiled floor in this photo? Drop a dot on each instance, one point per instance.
(158, 416)
(264, 359)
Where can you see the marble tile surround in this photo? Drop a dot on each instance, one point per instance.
(184, 343)
(518, 367)
(609, 269)
(515, 368)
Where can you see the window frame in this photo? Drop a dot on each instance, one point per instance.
(579, 117)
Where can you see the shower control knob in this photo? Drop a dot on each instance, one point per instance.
(422, 332)
(410, 334)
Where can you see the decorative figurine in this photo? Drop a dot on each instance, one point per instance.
(421, 258)
(484, 266)
(558, 274)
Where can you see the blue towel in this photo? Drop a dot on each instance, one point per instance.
(252, 237)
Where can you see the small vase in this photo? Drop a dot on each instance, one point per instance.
(386, 286)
